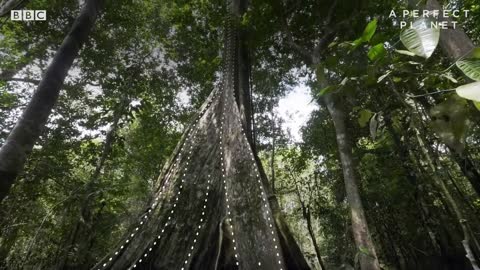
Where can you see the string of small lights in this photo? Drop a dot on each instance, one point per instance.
(154, 205)
(200, 226)
(179, 192)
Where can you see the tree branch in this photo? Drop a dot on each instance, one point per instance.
(330, 13)
(26, 80)
(327, 37)
(304, 52)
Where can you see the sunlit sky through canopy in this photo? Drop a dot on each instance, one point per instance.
(295, 109)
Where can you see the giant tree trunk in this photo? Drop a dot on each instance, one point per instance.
(366, 250)
(243, 96)
(28, 128)
(242, 89)
(214, 209)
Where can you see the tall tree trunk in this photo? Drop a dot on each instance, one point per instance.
(366, 249)
(242, 89)
(292, 253)
(28, 128)
(213, 209)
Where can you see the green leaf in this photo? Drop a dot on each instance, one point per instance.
(377, 52)
(397, 79)
(326, 90)
(405, 52)
(477, 104)
(320, 72)
(469, 91)
(367, 34)
(381, 78)
(364, 117)
(245, 19)
(421, 39)
(331, 62)
(357, 42)
(369, 31)
(364, 250)
(333, 44)
(449, 77)
(471, 68)
(475, 53)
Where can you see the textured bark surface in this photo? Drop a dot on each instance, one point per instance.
(7, 5)
(366, 250)
(212, 211)
(28, 128)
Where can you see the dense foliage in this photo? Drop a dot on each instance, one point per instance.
(411, 115)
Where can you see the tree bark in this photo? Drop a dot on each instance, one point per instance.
(213, 210)
(242, 89)
(8, 5)
(293, 255)
(28, 128)
(366, 250)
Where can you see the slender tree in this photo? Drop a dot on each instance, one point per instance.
(366, 249)
(28, 128)
(365, 246)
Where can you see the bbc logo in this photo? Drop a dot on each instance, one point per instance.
(28, 15)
